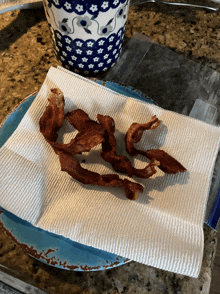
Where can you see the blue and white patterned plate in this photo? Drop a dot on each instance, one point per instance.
(47, 247)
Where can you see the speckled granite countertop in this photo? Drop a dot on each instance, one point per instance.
(26, 54)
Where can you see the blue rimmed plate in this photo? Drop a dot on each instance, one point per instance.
(47, 247)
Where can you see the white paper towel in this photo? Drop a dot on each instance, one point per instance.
(162, 228)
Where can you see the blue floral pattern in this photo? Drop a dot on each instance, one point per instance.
(90, 55)
(84, 42)
(91, 6)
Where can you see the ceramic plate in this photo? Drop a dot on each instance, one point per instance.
(47, 247)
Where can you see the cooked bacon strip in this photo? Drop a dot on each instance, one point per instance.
(72, 166)
(80, 120)
(148, 171)
(83, 142)
(135, 132)
(120, 163)
(53, 117)
(167, 163)
(90, 134)
(131, 189)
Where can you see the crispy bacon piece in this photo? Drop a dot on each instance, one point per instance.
(135, 132)
(90, 134)
(72, 166)
(51, 122)
(167, 163)
(83, 142)
(148, 171)
(80, 120)
(53, 117)
(120, 163)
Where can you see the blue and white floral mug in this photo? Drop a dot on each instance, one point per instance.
(87, 34)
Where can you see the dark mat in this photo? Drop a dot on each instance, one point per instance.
(171, 80)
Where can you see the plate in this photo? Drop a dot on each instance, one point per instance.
(9, 5)
(47, 247)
